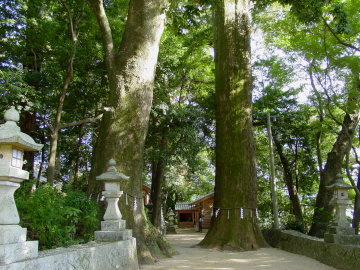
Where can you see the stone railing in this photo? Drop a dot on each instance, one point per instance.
(339, 256)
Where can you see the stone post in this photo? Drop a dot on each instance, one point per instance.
(340, 231)
(13, 143)
(113, 228)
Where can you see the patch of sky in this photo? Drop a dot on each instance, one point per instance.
(300, 79)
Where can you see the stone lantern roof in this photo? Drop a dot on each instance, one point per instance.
(10, 133)
(339, 184)
(112, 174)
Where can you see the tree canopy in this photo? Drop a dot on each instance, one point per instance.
(178, 93)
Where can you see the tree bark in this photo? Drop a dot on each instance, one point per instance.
(235, 179)
(157, 179)
(131, 71)
(78, 156)
(333, 166)
(275, 207)
(289, 181)
(356, 218)
(42, 161)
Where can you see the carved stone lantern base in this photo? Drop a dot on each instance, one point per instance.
(171, 229)
(113, 230)
(342, 239)
(14, 252)
(13, 244)
(339, 233)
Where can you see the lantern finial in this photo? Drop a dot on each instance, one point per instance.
(12, 115)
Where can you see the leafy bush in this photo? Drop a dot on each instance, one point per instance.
(56, 218)
(291, 223)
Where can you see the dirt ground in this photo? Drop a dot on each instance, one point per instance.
(194, 258)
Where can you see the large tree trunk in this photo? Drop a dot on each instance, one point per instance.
(289, 181)
(335, 157)
(131, 71)
(235, 180)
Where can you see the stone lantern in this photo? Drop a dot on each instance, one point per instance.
(340, 230)
(113, 227)
(13, 143)
(171, 229)
(171, 218)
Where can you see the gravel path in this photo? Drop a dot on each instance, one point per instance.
(194, 258)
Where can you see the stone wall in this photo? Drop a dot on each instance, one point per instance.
(338, 256)
(90, 256)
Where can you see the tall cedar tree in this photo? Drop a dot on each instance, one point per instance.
(131, 70)
(235, 180)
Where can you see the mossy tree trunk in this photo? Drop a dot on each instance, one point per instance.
(235, 180)
(131, 70)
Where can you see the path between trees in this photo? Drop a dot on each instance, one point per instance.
(195, 258)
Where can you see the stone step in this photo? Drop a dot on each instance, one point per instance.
(10, 253)
(11, 234)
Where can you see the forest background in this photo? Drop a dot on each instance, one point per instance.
(305, 62)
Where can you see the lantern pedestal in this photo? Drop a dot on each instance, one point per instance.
(13, 244)
(8, 212)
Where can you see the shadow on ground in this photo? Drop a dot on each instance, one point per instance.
(196, 258)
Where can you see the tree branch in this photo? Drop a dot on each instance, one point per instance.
(83, 121)
(356, 155)
(318, 134)
(105, 30)
(337, 37)
(328, 102)
(71, 21)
